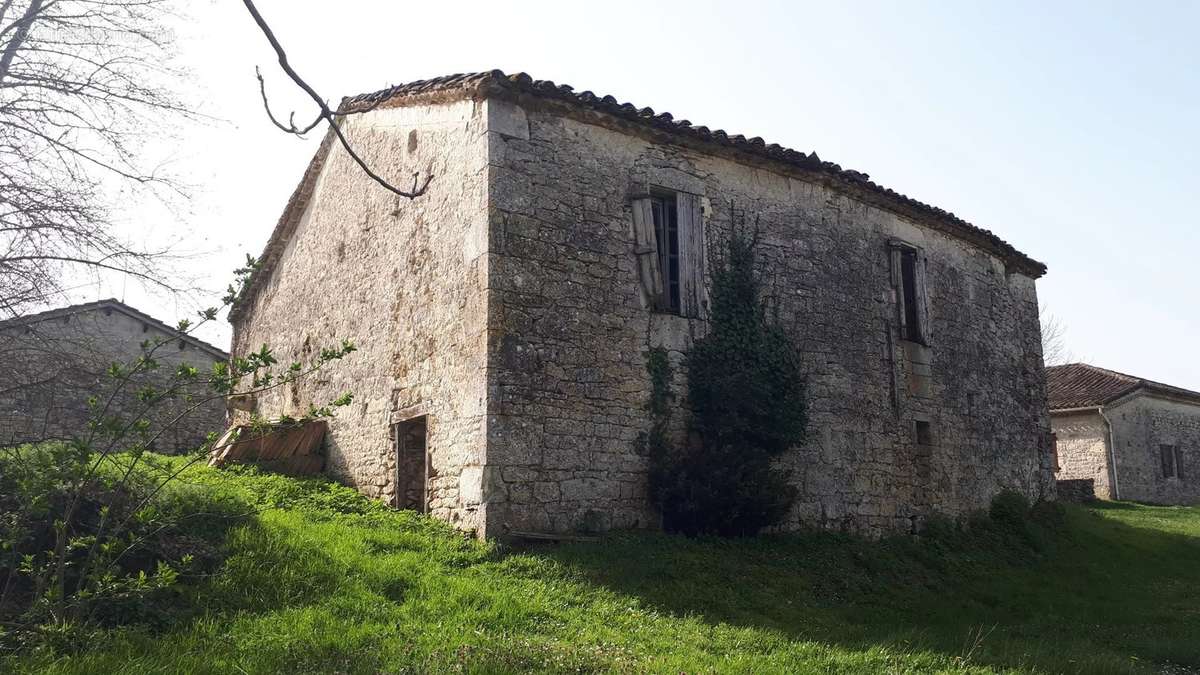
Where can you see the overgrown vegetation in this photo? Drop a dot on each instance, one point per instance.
(310, 577)
(84, 547)
(746, 393)
(85, 538)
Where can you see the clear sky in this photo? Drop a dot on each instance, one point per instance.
(1070, 130)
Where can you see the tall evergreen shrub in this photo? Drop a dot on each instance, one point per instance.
(747, 395)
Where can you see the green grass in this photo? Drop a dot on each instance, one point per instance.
(320, 580)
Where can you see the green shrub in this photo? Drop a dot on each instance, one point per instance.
(746, 391)
(1051, 515)
(1009, 509)
(939, 527)
(150, 535)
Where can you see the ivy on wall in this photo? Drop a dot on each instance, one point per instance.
(746, 392)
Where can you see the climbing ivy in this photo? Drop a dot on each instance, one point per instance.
(662, 463)
(746, 391)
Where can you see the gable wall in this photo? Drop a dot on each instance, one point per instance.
(1083, 449)
(568, 385)
(406, 282)
(51, 367)
(1140, 425)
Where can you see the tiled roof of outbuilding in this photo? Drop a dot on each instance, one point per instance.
(1079, 385)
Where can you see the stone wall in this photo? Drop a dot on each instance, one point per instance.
(407, 282)
(1083, 449)
(569, 332)
(1142, 424)
(51, 367)
(505, 306)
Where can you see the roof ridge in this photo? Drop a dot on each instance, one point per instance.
(481, 84)
(1109, 371)
(1074, 385)
(48, 314)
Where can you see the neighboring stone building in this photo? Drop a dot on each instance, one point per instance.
(1125, 437)
(503, 318)
(53, 361)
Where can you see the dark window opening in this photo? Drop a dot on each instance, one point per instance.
(1054, 451)
(1169, 464)
(666, 233)
(412, 466)
(1172, 461)
(923, 432)
(908, 276)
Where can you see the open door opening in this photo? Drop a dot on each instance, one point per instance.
(412, 466)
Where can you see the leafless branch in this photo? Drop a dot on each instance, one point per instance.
(1055, 351)
(325, 113)
(83, 85)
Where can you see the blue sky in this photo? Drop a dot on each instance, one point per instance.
(1069, 130)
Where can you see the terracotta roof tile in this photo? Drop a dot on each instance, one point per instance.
(483, 84)
(1079, 385)
(496, 82)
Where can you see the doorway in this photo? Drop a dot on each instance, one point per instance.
(412, 465)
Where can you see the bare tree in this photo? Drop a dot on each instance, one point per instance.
(1054, 339)
(83, 83)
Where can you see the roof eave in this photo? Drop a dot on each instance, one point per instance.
(116, 305)
(525, 91)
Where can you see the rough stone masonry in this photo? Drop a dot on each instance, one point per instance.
(54, 361)
(507, 313)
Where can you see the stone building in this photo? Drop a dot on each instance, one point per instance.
(1123, 437)
(503, 318)
(53, 361)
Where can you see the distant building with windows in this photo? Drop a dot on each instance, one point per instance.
(503, 319)
(53, 361)
(1118, 436)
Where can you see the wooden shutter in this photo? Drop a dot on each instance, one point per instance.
(897, 254)
(898, 249)
(919, 276)
(645, 248)
(693, 299)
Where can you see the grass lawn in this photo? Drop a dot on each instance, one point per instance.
(323, 581)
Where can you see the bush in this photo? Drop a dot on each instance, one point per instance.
(746, 391)
(1010, 509)
(88, 541)
(939, 527)
(1050, 514)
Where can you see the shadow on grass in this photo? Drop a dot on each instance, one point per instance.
(1099, 595)
(1101, 505)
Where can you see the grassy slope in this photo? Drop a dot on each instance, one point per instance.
(329, 582)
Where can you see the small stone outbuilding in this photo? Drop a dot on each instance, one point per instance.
(54, 360)
(1118, 436)
(503, 319)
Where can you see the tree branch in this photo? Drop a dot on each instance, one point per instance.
(325, 113)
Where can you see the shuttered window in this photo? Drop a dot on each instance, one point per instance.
(1169, 455)
(909, 282)
(669, 244)
(666, 238)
